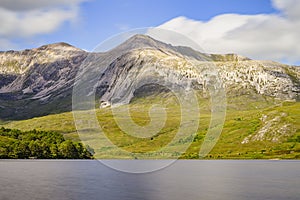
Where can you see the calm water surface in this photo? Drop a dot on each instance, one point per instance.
(184, 180)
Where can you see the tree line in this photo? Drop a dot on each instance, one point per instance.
(41, 145)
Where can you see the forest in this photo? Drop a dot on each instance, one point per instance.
(16, 144)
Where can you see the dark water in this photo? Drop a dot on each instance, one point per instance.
(185, 180)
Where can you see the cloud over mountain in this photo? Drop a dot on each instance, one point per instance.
(27, 18)
(262, 36)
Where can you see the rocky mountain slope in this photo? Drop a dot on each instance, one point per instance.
(40, 81)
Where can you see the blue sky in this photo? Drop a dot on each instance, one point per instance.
(85, 23)
(101, 19)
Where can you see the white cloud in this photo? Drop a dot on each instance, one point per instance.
(262, 36)
(28, 18)
(290, 8)
(33, 22)
(23, 5)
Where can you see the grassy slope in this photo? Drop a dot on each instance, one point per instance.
(242, 119)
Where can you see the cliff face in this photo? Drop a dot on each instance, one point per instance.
(265, 77)
(40, 81)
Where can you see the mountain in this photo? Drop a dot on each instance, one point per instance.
(39, 81)
(37, 87)
(33, 78)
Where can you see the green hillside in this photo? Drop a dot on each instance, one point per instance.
(254, 129)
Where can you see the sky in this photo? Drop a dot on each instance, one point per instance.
(259, 29)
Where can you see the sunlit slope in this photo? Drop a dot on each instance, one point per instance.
(258, 129)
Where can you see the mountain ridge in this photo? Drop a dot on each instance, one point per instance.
(44, 77)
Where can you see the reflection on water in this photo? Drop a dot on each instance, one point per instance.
(190, 180)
